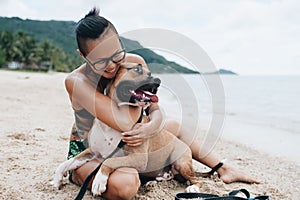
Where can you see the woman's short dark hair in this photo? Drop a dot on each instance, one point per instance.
(92, 26)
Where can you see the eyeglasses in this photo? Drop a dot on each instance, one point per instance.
(102, 63)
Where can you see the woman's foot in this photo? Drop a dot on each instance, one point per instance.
(229, 174)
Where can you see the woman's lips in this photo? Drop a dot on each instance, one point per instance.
(111, 71)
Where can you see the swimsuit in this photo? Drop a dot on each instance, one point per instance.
(83, 123)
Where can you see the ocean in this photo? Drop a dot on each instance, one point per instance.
(259, 111)
(265, 100)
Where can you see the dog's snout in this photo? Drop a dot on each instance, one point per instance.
(149, 74)
(153, 80)
(157, 81)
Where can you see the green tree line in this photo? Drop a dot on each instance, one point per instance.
(21, 47)
(61, 38)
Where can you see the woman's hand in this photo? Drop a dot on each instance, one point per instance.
(141, 131)
(138, 134)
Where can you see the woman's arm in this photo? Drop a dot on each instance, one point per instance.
(102, 107)
(141, 131)
(155, 123)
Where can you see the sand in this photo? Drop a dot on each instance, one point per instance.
(35, 121)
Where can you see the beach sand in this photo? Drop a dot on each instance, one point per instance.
(36, 118)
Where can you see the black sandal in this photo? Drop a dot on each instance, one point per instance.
(231, 196)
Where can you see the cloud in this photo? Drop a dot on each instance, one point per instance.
(255, 37)
(247, 36)
(50, 10)
(12, 8)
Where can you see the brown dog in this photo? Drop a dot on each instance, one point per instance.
(135, 87)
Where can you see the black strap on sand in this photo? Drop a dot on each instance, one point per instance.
(230, 196)
(88, 179)
(184, 195)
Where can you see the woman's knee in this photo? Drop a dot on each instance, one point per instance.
(124, 183)
(129, 188)
(173, 126)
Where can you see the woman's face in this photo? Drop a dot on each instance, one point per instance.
(105, 54)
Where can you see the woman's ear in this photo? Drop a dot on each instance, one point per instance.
(79, 52)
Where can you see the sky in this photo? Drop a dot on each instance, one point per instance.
(250, 37)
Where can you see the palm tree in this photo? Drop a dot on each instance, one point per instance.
(23, 48)
(2, 57)
(27, 47)
(7, 45)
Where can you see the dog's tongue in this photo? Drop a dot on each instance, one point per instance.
(146, 95)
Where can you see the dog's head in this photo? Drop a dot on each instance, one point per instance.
(134, 85)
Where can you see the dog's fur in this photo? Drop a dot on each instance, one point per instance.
(154, 154)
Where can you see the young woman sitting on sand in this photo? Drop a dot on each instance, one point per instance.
(85, 86)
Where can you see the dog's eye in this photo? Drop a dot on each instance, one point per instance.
(138, 69)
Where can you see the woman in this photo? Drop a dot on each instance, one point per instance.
(99, 45)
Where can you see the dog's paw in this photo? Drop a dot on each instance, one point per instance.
(57, 180)
(151, 184)
(99, 184)
(56, 183)
(60, 172)
(192, 189)
(165, 177)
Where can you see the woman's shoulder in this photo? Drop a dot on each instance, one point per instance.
(77, 74)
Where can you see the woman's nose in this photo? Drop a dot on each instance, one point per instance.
(111, 65)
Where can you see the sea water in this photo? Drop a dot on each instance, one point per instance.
(259, 111)
(268, 100)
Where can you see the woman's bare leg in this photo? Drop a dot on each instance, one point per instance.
(122, 184)
(227, 173)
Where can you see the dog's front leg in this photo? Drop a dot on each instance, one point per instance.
(72, 163)
(184, 166)
(135, 160)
